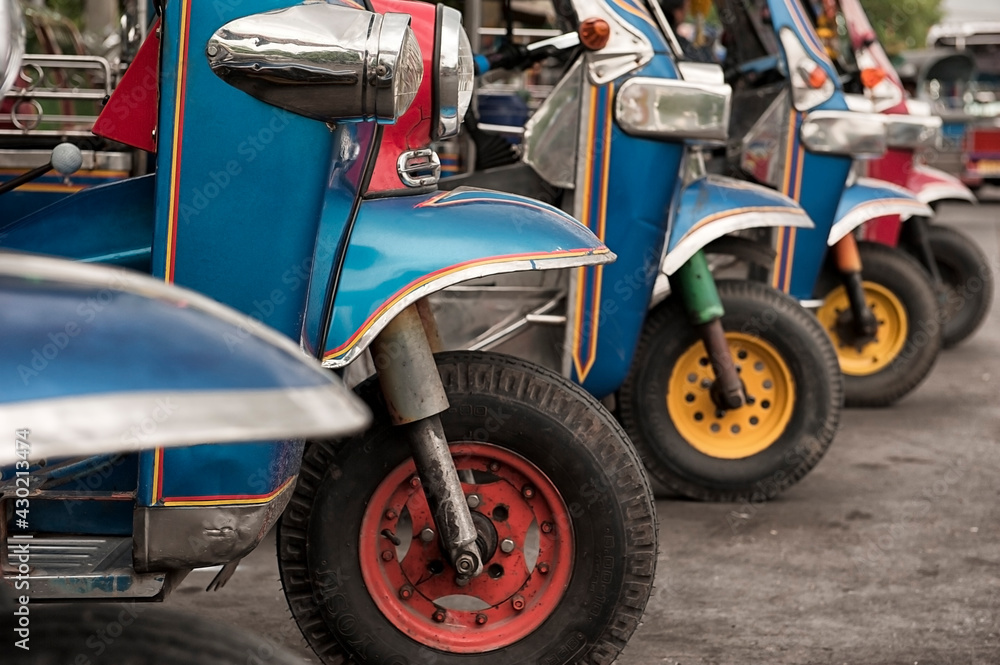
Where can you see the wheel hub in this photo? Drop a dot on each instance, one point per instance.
(524, 534)
(865, 355)
(735, 433)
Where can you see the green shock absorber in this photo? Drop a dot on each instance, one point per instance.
(696, 286)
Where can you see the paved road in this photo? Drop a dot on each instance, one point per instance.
(889, 552)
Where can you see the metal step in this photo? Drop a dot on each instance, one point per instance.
(75, 567)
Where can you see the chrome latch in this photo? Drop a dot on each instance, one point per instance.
(419, 168)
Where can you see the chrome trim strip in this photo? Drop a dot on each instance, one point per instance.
(695, 241)
(454, 278)
(129, 422)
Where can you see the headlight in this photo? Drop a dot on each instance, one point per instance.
(454, 77)
(323, 61)
(859, 135)
(673, 110)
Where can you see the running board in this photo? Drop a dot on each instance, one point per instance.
(75, 567)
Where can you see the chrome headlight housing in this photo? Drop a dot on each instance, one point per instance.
(674, 110)
(11, 43)
(454, 76)
(322, 61)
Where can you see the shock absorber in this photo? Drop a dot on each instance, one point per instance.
(415, 397)
(848, 260)
(696, 286)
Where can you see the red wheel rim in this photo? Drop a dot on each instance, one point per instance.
(413, 585)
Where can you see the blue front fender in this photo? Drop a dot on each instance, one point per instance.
(869, 198)
(714, 206)
(404, 248)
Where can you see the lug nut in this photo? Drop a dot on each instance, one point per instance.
(528, 492)
(414, 482)
(406, 592)
(481, 619)
(517, 602)
(438, 616)
(391, 514)
(547, 527)
(427, 535)
(506, 545)
(387, 555)
(494, 466)
(543, 568)
(473, 500)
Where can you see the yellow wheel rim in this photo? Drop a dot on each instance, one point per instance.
(893, 326)
(736, 433)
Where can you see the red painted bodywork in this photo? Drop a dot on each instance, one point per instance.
(129, 117)
(413, 129)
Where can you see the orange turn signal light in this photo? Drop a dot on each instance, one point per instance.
(594, 33)
(817, 77)
(872, 76)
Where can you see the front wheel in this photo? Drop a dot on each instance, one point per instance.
(793, 385)
(560, 501)
(966, 291)
(881, 369)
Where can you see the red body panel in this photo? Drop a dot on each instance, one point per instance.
(130, 114)
(895, 167)
(413, 129)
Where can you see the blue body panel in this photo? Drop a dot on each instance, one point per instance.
(632, 219)
(401, 243)
(108, 224)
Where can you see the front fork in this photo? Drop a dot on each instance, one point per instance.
(848, 260)
(415, 397)
(696, 286)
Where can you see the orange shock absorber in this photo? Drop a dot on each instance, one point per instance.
(847, 254)
(848, 260)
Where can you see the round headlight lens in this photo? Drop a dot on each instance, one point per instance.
(455, 73)
(399, 69)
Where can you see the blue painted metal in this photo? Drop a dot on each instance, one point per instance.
(436, 236)
(108, 224)
(631, 218)
(869, 191)
(715, 199)
(64, 341)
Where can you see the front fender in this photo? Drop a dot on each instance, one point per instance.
(714, 206)
(404, 248)
(869, 198)
(932, 185)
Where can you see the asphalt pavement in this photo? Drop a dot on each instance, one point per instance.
(887, 553)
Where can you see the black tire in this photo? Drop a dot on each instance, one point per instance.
(130, 633)
(761, 312)
(901, 275)
(967, 289)
(545, 419)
